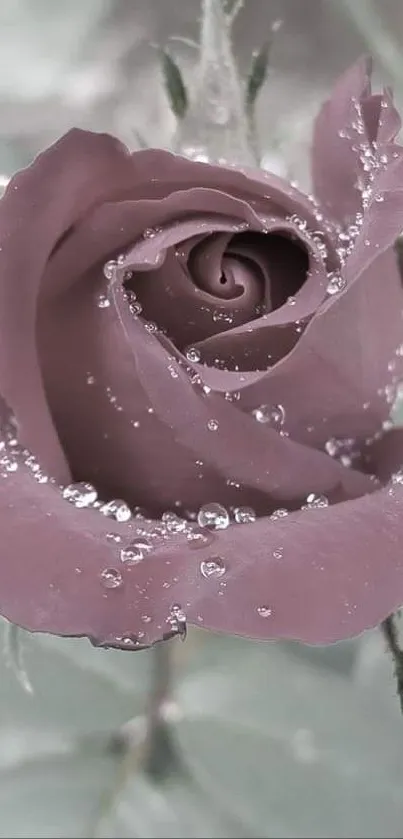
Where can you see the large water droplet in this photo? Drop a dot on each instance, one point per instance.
(212, 567)
(116, 509)
(193, 355)
(80, 494)
(244, 515)
(135, 551)
(273, 414)
(213, 516)
(111, 578)
(336, 284)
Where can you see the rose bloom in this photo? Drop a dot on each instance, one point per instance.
(197, 366)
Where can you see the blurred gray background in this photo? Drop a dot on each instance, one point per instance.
(265, 740)
(94, 63)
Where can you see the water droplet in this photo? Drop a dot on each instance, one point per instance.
(193, 355)
(264, 611)
(291, 300)
(150, 232)
(273, 414)
(177, 620)
(336, 283)
(90, 379)
(135, 551)
(113, 537)
(223, 317)
(199, 538)
(278, 553)
(212, 567)
(212, 425)
(103, 302)
(174, 523)
(244, 515)
(397, 477)
(315, 501)
(111, 578)
(213, 516)
(281, 513)
(109, 269)
(130, 641)
(80, 494)
(116, 509)
(150, 326)
(135, 308)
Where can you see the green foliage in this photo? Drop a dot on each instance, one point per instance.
(174, 85)
(259, 740)
(257, 74)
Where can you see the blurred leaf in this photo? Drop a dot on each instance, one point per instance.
(13, 652)
(174, 85)
(77, 689)
(177, 809)
(47, 789)
(257, 74)
(292, 751)
(262, 743)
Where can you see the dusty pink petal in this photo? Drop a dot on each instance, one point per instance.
(236, 445)
(106, 419)
(39, 206)
(346, 128)
(317, 576)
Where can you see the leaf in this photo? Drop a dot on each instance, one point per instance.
(290, 750)
(13, 652)
(174, 85)
(77, 689)
(257, 74)
(50, 792)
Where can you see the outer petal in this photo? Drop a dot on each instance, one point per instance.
(347, 126)
(40, 205)
(317, 576)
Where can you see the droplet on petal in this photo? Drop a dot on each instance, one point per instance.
(213, 425)
(80, 494)
(111, 578)
(135, 551)
(213, 516)
(116, 509)
(273, 414)
(315, 501)
(177, 620)
(212, 567)
(281, 513)
(264, 611)
(193, 355)
(244, 515)
(199, 537)
(109, 269)
(336, 284)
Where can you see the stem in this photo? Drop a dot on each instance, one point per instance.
(159, 751)
(215, 126)
(390, 632)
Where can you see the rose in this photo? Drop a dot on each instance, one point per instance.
(196, 339)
